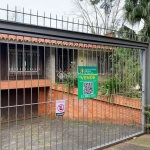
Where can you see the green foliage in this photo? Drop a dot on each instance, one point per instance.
(126, 67)
(136, 11)
(71, 79)
(110, 86)
(134, 94)
(147, 113)
(126, 70)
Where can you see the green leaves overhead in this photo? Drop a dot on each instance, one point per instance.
(137, 11)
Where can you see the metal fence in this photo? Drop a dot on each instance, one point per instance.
(47, 20)
(39, 67)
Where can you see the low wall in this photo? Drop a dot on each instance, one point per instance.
(122, 110)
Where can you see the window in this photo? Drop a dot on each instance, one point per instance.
(104, 63)
(23, 63)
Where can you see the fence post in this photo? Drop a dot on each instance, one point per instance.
(146, 82)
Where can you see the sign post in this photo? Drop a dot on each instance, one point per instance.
(60, 107)
(87, 82)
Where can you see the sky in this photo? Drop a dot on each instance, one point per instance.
(59, 7)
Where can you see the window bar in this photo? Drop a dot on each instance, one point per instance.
(31, 77)
(8, 95)
(24, 102)
(16, 95)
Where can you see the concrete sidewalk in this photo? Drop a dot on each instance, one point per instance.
(136, 143)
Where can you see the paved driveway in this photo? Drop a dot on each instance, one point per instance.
(45, 133)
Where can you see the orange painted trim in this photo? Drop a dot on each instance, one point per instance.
(53, 42)
(12, 84)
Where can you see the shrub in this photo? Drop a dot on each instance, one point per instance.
(110, 86)
(71, 79)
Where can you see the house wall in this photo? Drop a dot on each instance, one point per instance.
(81, 58)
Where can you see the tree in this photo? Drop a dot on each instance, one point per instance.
(99, 14)
(137, 11)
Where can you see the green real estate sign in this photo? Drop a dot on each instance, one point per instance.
(87, 82)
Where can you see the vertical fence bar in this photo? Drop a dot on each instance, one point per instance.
(15, 14)
(62, 23)
(51, 91)
(56, 21)
(24, 102)
(87, 58)
(7, 12)
(16, 52)
(0, 102)
(57, 56)
(145, 83)
(45, 94)
(31, 96)
(63, 70)
(23, 14)
(67, 22)
(44, 20)
(8, 93)
(39, 103)
(50, 20)
(68, 99)
(30, 16)
(37, 18)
